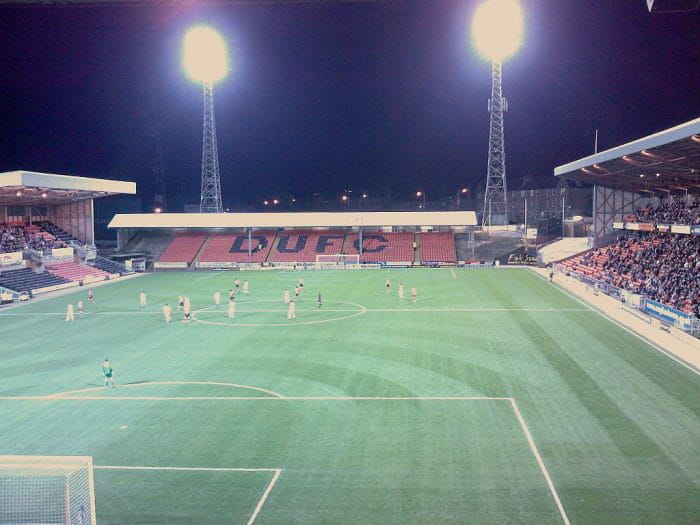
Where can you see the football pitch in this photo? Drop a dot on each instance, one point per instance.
(496, 398)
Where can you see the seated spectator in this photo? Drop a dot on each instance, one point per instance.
(663, 267)
(678, 212)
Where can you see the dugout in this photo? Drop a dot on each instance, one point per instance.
(662, 167)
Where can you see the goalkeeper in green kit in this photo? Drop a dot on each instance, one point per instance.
(108, 373)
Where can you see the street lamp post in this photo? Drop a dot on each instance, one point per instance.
(461, 192)
(420, 194)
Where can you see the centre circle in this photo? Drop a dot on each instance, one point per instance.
(349, 314)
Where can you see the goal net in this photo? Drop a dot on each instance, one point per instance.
(337, 261)
(47, 490)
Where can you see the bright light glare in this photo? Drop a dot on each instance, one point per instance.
(204, 55)
(497, 28)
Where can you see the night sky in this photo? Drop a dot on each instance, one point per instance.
(370, 96)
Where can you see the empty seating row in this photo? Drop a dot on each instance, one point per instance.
(26, 280)
(76, 272)
(305, 245)
(437, 247)
(234, 247)
(382, 247)
(183, 247)
(109, 266)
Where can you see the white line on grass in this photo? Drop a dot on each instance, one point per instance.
(409, 309)
(186, 469)
(543, 468)
(66, 397)
(453, 273)
(206, 276)
(150, 383)
(261, 501)
(514, 406)
(628, 330)
(264, 496)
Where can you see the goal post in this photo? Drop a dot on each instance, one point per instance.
(47, 490)
(337, 261)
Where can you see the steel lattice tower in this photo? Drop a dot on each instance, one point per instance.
(211, 182)
(495, 210)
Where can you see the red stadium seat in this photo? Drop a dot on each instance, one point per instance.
(183, 247)
(305, 245)
(383, 247)
(437, 247)
(76, 272)
(233, 247)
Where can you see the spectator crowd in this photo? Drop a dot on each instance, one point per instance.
(678, 212)
(664, 267)
(16, 237)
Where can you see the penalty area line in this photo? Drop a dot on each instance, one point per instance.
(540, 462)
(275, 476)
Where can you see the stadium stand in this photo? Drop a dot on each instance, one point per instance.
(227, 247)
(437, 247)
(109, 266)
(382, 247)
(663, 267)
(72, 271)
(26, 280)
(15, 237)
(678, 212)
(57, 232)
(305, 245)
(183, 247)
(152, 243)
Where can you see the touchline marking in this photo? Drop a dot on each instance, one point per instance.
(540, 462)
(261, 501)
(453, 273)
(628, 330)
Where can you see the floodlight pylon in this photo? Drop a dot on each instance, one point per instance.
(211, 181)
(495, 209)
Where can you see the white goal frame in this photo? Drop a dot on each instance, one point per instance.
(27, 482)
(337, 261)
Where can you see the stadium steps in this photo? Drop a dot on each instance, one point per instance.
(497, 247)
(108, 265)
(464, 252)
(193, 265)
(563, 249)
(152, 243)
(273, 249)
(347, 244)
(416, 253)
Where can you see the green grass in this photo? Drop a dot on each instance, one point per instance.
(616, 422)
